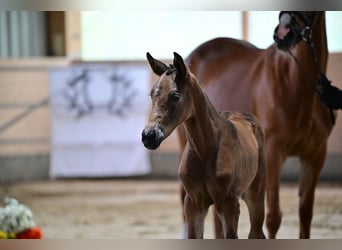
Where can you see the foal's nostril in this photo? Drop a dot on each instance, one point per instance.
(143, 135)
(152, 138)
(152, 135)
(149, 135)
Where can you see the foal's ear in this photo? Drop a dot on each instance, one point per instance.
(179, 64)
(157, 67)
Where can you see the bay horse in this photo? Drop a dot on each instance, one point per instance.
(278, 85)
(223, 158)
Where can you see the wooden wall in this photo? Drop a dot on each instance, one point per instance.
(25, 83)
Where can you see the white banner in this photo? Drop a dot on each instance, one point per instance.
(98, 113)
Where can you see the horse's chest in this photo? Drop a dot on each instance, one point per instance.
(230, 168)
(216, 179)
(198, 174)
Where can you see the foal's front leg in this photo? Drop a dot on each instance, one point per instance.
(228, 212)
(195, 210)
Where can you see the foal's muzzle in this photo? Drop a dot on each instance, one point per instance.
(152, 137)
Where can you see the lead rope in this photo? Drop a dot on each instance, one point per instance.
(322, 80)
(306, 74)
(322, 77)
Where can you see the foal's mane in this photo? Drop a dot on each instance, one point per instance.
(171, 70)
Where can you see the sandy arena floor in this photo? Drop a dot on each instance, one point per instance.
(149, 209)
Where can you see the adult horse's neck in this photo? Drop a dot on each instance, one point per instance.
(303, 52)
(200, 129)
(320, 41)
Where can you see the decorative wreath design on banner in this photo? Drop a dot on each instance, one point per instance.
(80, 97)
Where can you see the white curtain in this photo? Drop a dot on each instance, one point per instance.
(22, 34)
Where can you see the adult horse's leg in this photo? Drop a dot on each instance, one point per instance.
(275, 158)
(311, 167)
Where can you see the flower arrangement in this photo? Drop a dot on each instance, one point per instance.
(16, 221)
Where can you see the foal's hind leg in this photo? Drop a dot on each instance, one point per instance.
(255, 200)
(311, 168)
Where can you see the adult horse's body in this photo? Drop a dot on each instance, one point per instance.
(268, 83)
(224, 156)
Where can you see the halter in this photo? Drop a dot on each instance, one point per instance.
(305, 34)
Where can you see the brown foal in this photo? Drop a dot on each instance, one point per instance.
(224, 155)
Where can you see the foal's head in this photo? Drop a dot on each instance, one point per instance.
(171, 100)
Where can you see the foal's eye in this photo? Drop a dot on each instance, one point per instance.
(175, 97)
